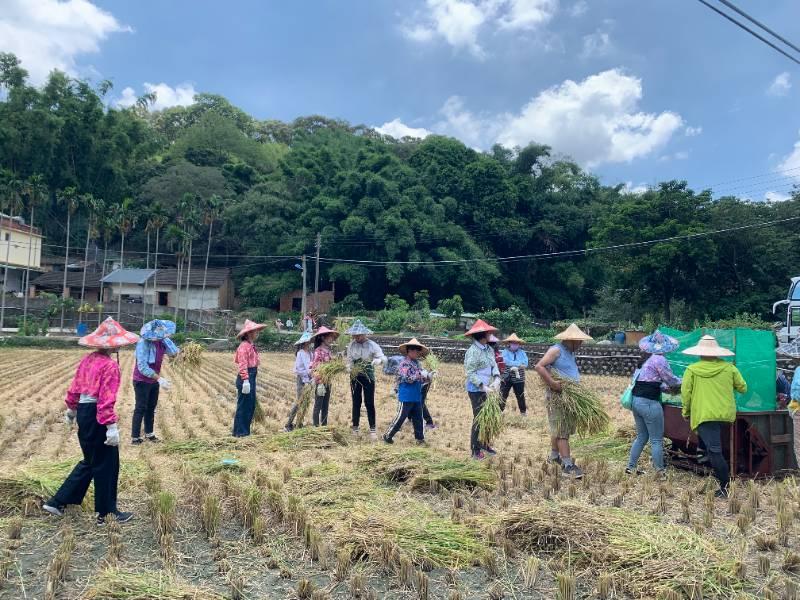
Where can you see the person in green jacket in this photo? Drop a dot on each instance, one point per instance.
(709, 403)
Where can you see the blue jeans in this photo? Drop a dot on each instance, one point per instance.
(649, 417)
(245, 405)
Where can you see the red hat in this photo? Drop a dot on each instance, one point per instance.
(481, 326)
(323, 331)
(248, 327)
(109, 334)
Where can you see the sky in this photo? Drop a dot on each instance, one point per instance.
(635, 91)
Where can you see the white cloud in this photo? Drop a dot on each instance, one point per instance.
(397, 129)
(692, 131)
(579, 9)
(781, 85)
(459, 22)
(637, 190)
(476, 131)
(596, 44)
(776, 197)
(790, 165)
(595, 120)
(683, 155)
(51, 34)
(166, 95)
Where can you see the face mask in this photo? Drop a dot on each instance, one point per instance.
(514, 347)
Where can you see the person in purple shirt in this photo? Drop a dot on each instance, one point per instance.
(147, 379)
(654, 376)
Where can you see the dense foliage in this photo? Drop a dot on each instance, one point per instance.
(262, 190)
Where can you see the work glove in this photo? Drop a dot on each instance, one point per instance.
(112, 435)
(425, 374)
(484, 388)
(377, 362)
(495, 385)
(69, 417)
(246, 387)
(165, 384)
(321, 389)
(515, 372)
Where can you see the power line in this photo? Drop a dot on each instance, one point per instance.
(732, 6)
(750, 31)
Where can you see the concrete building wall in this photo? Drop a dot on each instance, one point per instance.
(14, 244)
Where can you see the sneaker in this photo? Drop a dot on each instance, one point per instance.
(355, 432)
(554, 460)
(572, 470)
(422, 443)
(137, 441)
(629, 471)
(54, 509)
(720, 493)
(119, 516)
(489, 450)
(373, 436)
(387, 439)
(430, 426)
(152, 438)
(288, 429)
(479, 455)
(703, 460)
(661, 475)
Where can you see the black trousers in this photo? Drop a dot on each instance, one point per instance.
(100, 464)
(146, 395)
(408, 410)
(321, 403)
(426, 415)
(363, 387)
(710, 433)
(519, 391)
(476, 399)
(245, 405)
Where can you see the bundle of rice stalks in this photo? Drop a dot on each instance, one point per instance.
(421, 467)
(579, 409)
(259, 416)
(308, 438)
(326, 372)
(115, 584)
(489, 419)
(190, 356)
(647, 557)
(430, 362)
(196, 445)
(306, 396)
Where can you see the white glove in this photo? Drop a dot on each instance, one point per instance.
(515, 372)
(321, 389)
(112, 435)
(377, 362)
(164, 384)
(246, 387)
(484, 388)
(425, 374)
(495, 385)
(69, 416)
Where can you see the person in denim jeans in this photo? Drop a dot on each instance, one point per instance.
(654, 376)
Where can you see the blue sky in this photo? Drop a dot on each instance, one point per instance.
(637, 91)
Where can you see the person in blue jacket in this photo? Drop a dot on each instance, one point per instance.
(516, 361)
(410, 378)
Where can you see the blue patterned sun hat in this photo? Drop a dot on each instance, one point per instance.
(658, 343)
(304, 339)
(359, 328)
(158, 329)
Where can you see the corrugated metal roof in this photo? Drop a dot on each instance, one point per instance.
(131, 276)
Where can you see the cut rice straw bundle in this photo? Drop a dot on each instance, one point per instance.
(489, 419)
(308, 438)
(577, 407)
(326, 372)
(304, 404)
(420, 467)
(191, 355)
(648, 557)
(431, 363)
(115, 584)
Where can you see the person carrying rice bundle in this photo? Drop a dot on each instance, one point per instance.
(561, 358)
(410, 379)
(516, 361)
(364, 355)
(247, 362)
(653, 377)
(482, 376)
(155, 342)
(322, 339)
(708, 401)
(90, 402)
(302, 372)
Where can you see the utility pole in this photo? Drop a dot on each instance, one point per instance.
(303, 303)
(316, 275)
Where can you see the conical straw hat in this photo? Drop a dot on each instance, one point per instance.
(424, 351)
(481, 326)
(109, 335)
(323, 331)
(573, 333)
(250, 326)
(513, 339)
(708, 346)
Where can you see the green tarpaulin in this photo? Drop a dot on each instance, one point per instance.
(755, 359)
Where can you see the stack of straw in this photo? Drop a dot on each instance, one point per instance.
(489, 419)
(578, 409)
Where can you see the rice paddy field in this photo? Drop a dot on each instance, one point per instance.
(319, 513)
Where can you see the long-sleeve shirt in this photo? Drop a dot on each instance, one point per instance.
(479, 366)
(795, 391)
(656, 369)
(302, 365)
(498, 358)
(97, 376)
(322, 354)
(246, 357)
(366, 351)
(149, 357)
(409, 381)
(515, 358)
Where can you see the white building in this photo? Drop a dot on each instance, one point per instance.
(20, 247)
(160, 287)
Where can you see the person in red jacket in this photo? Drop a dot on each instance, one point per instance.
(90, 402)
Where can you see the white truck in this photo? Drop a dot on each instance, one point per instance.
(791, 318)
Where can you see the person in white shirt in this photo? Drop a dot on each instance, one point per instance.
(366, 355)
(302, 371)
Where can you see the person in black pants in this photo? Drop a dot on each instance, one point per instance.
(410, 378)
(323, 339)
(90, 402)
(365, 355)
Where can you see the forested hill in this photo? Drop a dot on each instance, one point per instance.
(267, 188)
